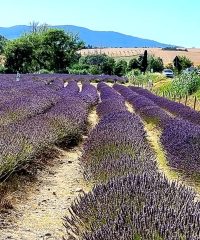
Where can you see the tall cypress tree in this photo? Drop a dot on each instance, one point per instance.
(177, 64)
(144, 62)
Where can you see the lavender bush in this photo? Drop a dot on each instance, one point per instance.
(135, 201)
(119, 139)
(181, 141)
(178, 109)
(89, 94)
(31, 124)
(146, 108)
(136, 207)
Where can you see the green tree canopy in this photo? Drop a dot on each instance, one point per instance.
(181, 63)
(155, 63)
(51, 49)
(120, 68)
(99, 63)
(133, 64)
(18, 55)
(185, 62)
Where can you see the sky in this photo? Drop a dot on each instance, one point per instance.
(167, 21)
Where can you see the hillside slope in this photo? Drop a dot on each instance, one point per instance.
(95, 38)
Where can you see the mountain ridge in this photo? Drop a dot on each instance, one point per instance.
(90, 37)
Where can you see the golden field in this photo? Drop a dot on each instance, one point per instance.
(193, 53)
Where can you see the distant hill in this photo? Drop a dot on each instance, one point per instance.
(90, 37)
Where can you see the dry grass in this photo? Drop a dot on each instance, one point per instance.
(167, 56)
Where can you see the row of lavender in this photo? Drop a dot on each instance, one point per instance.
(131, 200)
(178, 109)
(29, 97)
(19, 101)
(180, 138)
(35, 130)
(27, 100)
(61, 78)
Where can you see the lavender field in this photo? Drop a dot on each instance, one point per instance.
(127, 195)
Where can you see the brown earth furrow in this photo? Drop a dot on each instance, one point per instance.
(40, 206)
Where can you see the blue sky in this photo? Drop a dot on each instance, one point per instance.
(168, 21)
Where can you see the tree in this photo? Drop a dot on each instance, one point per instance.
(93, 69)
(120, 68)
(36, 27)
(182, 62)
(177, 64)
(155, 63)
(58, 50)
(169, 66)
(108, 66)
(52, 49)
(79, 68)
(144, 62)
(3, 41)
(101, 63)
(133, 64)
(18, 55)
(185, 62)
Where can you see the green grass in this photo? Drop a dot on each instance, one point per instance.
(144, 79)
(197, 94)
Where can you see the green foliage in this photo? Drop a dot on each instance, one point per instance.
(58, 49)
(108, 66)
(2, 69)
(78, 71)
(143, 79)
(19, 54)
(169, 66)
(99, 63)
(197, 93)
(177, 64)
(133, 64)
(144, 62)
(155, 63)
(120, 68)
(184, 84)
(185, 62)
(52, 49)
(94, 70)
(181, 63)
(79, 68)
(164, 87)
(3, 42)
(45, 71)
(133, 73)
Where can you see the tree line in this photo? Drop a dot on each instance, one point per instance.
(53, 50)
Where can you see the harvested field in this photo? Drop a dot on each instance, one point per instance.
(167, 56)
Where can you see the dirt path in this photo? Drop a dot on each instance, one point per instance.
(38, 213)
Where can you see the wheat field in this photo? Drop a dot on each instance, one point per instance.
(193, 53)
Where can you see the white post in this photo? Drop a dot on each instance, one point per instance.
(18, 77)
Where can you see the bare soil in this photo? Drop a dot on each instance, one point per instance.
(39, 214)
(38, 206)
